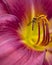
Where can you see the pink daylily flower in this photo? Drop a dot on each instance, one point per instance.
(20, 42)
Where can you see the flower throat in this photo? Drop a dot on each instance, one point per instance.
(36, 33)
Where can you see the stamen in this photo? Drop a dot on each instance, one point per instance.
(44, 22)
(33, 36)
(38, 33)
(43, 41)
(45, 32)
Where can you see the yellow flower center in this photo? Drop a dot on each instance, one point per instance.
(35, 34)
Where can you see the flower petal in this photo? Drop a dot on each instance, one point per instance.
(36, 60)
(45, 62)
(8, 22)
(23, 56)
(43, 7)
(49, 57)
(9, 44)
(3, 9)
(12, 50)
(47, 6)
(19, 8)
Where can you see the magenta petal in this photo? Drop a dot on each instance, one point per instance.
(43, 7)
(47, 6)
(9, 53)
(49, 58)
(45, 62)
(36, 60)
(9, 41)
(23, 9)
(23, 56)
(3, 8)
(32, 58)
(19, 8)
(8, 22)
(15, 56)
